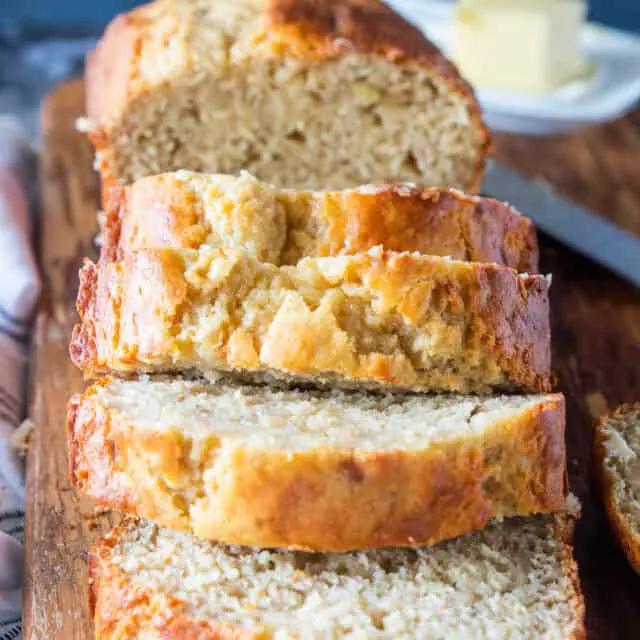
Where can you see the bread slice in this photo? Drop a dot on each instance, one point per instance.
(250, 465)
(186, 210)
(378, 318)
(516, 579)
(617, 464)
(301, 93)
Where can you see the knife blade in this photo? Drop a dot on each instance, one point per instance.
(566, 221)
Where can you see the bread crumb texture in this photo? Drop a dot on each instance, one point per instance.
(407, 320)
(302, 94)
(512, 579)
(617, 459)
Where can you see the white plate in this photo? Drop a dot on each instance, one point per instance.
(609, 91)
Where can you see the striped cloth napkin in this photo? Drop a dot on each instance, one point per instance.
(19, 289)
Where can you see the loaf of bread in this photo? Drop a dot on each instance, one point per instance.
(377, 318)
(268, 468)
(515, 579)
(186, 210)
(617, 464)
(301, 93)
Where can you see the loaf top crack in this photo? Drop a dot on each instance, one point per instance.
(305, 93)
(377, 318)
(186, 210)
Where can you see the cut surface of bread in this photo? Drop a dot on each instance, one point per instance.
(301, 93)
(515, 579)
(617, 462)
(377, 318)
(282, 226)
(321, 471)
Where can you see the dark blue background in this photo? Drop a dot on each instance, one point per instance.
(88, 14)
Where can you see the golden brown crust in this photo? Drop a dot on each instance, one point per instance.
(304, 29)
(274, 498)
(380, 318)
(564, 526)
(83, 341)
(118, 484)
(622, 529)
(167, 211)
(109, 69)
(440, 222)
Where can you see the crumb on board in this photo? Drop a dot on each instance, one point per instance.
(597, 404)
(19, 440)
(97, 512)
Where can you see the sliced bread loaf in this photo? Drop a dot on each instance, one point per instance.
(322, 471)
(377, 318)
(187, 210)
(516, 579)
(298, 92)
(617, 464)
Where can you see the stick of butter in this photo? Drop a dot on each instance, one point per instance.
(531, 46)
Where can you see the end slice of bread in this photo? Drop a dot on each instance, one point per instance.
(282, 226)
(301, 93)
(617, 464)
(369, 320)
(315, 470)
(515, 579)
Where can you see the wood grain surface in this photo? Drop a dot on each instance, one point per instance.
(596, 336)
(59, 525)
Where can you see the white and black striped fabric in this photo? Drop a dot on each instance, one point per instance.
(19, 289)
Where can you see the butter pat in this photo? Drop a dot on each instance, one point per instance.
(530, 46)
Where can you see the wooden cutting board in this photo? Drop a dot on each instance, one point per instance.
(596, 334)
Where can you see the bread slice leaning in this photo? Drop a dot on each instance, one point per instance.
(379, 318)
(515, 579)
(315, 470)
(617, 465)
(282, 226)
(300, 93)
